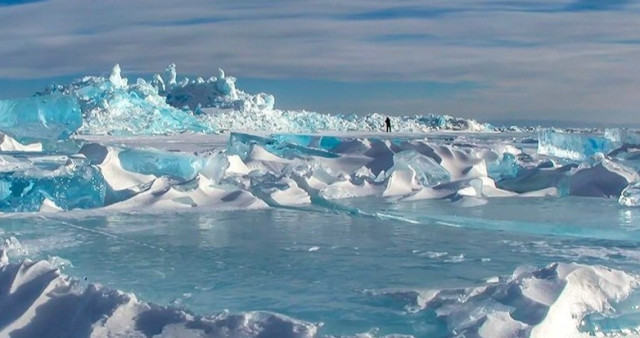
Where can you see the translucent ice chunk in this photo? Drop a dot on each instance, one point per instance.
(311, 141)
(81, 187)
(623, 136)
(240, 144)
(160, 163)
(506, 167)
(630, 196)
(573, 146)
(52, 116)
(428, 171)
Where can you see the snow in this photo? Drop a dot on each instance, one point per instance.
(547, 302)
(36, 300)
(288, 169)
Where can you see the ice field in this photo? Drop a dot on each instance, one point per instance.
(189, 208)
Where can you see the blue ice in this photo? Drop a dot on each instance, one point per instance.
(54, 116)
(82, 187)
(573, 146)
(161, 163)
(241, 144)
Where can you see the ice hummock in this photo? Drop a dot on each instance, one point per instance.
(165, 105)
(36, 300)
(548, 302)
(285, 169)
(572, 145)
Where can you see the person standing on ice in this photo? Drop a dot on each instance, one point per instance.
(387, 123)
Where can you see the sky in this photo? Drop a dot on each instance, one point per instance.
(574, 61)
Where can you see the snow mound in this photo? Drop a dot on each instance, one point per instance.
(548, 302)
(37, 301)
(292, 169)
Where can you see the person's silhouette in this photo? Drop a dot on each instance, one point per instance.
(387, 123)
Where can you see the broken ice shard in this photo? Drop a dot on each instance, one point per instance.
(572, 146)
(54, 116)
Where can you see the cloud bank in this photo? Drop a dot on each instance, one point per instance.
(574, 60)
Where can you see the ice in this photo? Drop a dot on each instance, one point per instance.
(158, 163)
(428, 171)
(96, 176)
(288, 169)
(9, 144)
(630, 196)
(572, 145)
(165, 105)
(160, 200)
(53, 116)
(111, 105)
(36, 300)
(219, 93)
(603, 179)
(324, 142)
(502, 168)
(546, 302)
(622, 136)
(166, 194)
(241, 144)
(436, 215)
(68, 186)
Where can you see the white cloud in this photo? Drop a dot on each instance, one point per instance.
(524, 58)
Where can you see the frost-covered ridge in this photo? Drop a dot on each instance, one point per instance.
(166, 104)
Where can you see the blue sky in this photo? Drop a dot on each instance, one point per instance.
(563, 60)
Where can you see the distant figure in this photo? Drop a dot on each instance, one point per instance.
(387, 122)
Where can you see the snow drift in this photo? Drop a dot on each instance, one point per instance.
(548, 302)
(37, 301)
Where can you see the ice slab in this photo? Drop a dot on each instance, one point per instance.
(573, 146)
(623, 136)
(65, 182)
(53, 116)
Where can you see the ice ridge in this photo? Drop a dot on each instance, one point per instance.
(166, 105)
(256, 171)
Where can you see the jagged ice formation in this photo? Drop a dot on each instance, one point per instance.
(166, 105)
